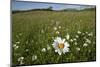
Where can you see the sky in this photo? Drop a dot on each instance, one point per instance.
(17, 5)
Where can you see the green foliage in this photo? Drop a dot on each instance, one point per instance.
(32, 31)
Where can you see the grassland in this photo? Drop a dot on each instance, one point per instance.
(32, 31)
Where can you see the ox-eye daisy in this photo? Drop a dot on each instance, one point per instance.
(60, 45)
(67, 36)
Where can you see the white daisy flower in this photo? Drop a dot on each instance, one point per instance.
(90, 34)
(20, 59)
(75, 43)
(79, 32)
(60, 45)
(27, 50)
(55, 28)
(17, 42)
(43, 50)
(57, 32)
(74, 39)
(67, 36)
(48, 47)
(78, 49)
(17, 36)
(56, 51)
(71, 40)
(88, 41)
(16, 47)
(77, 36)
(83, 33)
(85, 44)
(34, 57)
(59, 27)
(86, 32)
(53, 37)
(21, 62)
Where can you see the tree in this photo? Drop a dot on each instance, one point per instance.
(50, 8)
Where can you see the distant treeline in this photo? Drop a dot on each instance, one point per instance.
(17, 11)
(50, 9)
(89, 9)
(86, 9)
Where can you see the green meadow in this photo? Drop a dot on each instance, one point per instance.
(33, 33)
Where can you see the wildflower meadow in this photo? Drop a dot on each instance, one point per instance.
(52, 37)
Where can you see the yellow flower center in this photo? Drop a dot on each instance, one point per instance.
(61, 45)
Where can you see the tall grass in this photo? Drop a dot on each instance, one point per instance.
(32, 31)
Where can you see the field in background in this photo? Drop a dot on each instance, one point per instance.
(35, 30)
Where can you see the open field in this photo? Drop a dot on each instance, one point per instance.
(34, 32)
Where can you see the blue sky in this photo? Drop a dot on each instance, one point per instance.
(33, 5)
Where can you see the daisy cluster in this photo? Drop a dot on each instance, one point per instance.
(46, 37)
(60, 45)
